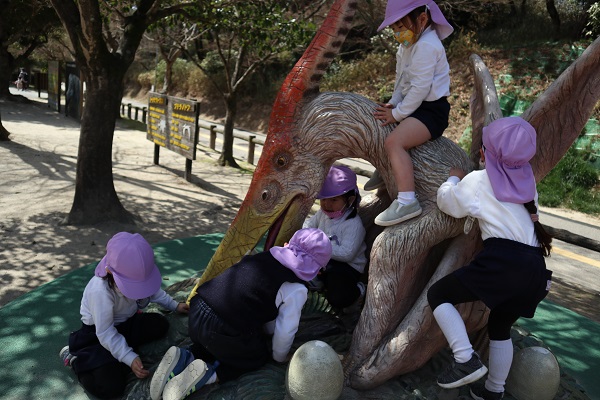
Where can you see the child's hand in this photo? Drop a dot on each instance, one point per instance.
(457, 172)
(183, 308)
(138, 368)
(383, 113)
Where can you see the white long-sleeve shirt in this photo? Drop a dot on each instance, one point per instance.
(347, 237)
(473, 196)
(105, 308)
(290, 300)
(422, 74)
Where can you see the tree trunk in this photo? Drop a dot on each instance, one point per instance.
(226, 158)
(3, 132)
(553, 12)
(5, 70)
(95, 196)
(168, 82)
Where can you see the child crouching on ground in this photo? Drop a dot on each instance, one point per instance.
(126, 280)
(230, 313)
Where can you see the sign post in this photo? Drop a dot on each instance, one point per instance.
(173, 123)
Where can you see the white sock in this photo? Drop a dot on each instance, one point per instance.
(212, 379)
(453, 327)
(405, 198)
(501, 355)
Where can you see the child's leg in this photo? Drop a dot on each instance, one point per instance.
(341, 284)
(501, 349)
(143, 328)
(442, 296)
(408, 134)
(107, 381)
(237, 352)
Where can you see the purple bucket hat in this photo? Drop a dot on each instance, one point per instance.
(130, 259)
(509, 143)
(339, 180)
(308, 251)
(397, 9)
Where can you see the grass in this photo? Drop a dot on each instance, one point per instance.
(572, 184)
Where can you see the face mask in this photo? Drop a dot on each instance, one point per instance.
(406, 37)
(335, 214)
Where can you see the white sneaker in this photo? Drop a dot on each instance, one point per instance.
(173, 363)
(192, 378)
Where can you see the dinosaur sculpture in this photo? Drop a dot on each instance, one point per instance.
(309, 131)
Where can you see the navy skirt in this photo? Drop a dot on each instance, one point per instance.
(508, 276)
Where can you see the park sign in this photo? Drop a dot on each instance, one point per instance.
(173, 123)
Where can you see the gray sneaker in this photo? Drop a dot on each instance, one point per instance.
(459, 374)
(397, 213)
(375, 182)
(66, 356)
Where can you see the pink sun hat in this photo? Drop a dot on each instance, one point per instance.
(340, 180)
(130, 259)
(308, 251)
(509, 143)
(397, 9)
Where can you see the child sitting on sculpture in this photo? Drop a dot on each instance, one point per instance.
(125, 281)
(338, 218)
(509, 275)
(419, 102)
(232, 314)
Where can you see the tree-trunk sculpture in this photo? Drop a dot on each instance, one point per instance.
(309, 131)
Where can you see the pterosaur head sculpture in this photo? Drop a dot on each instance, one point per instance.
(309, 131)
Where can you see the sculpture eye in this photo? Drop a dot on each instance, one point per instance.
(282, 160)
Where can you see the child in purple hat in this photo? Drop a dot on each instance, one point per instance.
(126, 280)
(509, 275)
(232, 315)
(419, 104)
(338, 218)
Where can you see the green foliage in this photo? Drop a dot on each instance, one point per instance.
(263, 27)
(362, 76)
(592, 28)
(573, 183)
(463, 45)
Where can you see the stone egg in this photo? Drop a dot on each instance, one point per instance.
(534, 374)
(315, 372)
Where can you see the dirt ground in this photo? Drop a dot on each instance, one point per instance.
(37, 186)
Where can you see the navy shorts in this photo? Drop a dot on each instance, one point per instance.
(508, 276)
(434, 115)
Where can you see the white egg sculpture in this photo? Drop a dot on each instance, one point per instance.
(534, 374)
(315, 372)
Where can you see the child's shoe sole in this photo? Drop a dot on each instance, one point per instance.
(185, 383)
(163, 371)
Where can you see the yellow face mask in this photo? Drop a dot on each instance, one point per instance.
(405, 37)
